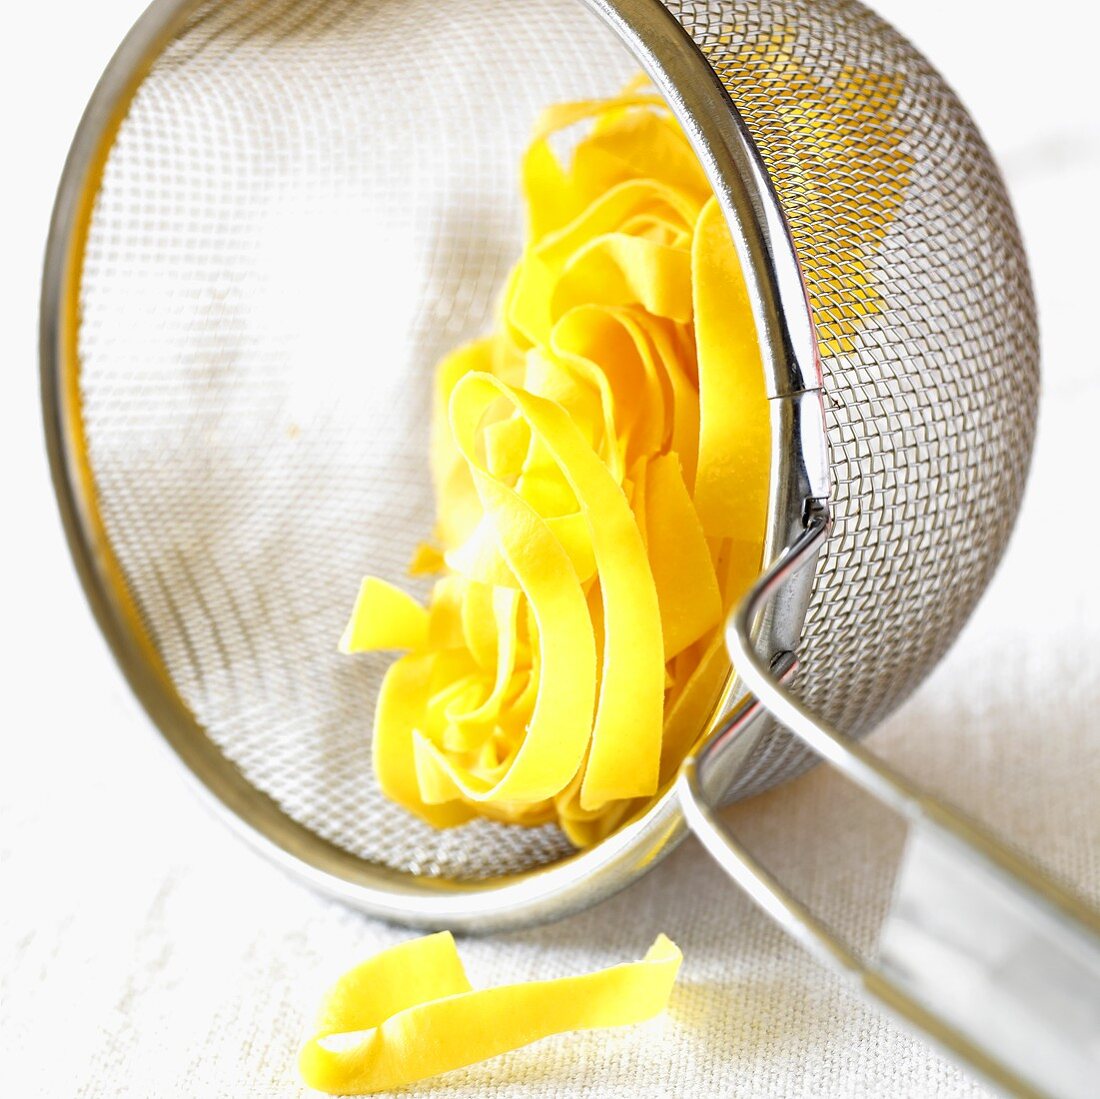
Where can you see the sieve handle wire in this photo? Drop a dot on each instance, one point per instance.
(985, 955)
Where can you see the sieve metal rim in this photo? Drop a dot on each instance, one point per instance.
(799, 471)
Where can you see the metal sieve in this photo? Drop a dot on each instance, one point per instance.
(277, 216)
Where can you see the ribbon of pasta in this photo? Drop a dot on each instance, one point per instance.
(384, 617)
(626, 733)
(731, 487)
(410, 1013)
(400, 709)
(554, 741)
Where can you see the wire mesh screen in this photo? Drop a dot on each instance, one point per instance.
(307, 206)
(926, 325)
(311, 201)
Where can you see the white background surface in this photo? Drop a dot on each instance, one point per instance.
(144, 952)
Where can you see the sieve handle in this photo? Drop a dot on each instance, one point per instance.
(989, 958)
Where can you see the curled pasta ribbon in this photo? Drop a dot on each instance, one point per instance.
(625, 734)
(601, 466)
(410, 1013)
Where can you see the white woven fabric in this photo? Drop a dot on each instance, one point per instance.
(145, 953)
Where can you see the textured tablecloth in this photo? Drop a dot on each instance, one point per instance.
(145, 953)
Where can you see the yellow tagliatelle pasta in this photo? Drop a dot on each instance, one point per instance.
(600, 463)
(410, 1013)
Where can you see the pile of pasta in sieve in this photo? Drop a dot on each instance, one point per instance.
(600, 464)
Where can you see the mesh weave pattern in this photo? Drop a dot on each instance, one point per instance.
(926, 325)
(311, 200)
